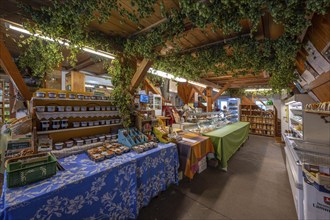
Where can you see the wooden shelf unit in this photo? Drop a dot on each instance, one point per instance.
(261, 122)
(5, 100)
(61, 135)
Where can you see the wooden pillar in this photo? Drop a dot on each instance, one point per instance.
(77, 82)
(209, 99)
(10, 68)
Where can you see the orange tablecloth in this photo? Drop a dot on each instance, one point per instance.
(191, 153)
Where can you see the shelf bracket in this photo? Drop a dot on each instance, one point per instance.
(324, 117)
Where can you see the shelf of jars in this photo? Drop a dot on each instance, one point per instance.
(63, 119)
(261, 122)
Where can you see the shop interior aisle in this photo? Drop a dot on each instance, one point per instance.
(256, 186)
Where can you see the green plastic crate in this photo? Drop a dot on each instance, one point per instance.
(20, 173)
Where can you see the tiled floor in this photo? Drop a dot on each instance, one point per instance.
(256, 186)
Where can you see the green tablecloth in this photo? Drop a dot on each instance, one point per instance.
(227, 140)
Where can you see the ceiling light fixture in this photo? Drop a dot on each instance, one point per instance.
(197, 84)
(166, 75)
(257, 90)
(87, 49)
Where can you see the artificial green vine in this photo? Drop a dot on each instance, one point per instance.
(40, 56)
(121, 73)
(71, 20)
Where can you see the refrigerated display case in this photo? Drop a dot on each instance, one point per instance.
(155, 103)
(233, 109)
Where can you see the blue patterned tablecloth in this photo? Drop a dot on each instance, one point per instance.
(114, 189)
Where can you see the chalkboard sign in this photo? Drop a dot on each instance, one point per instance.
(15, 145)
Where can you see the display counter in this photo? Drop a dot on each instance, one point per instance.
(227, 140)
(115, 188)
(192, 149)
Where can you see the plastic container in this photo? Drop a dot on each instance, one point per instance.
(79, 142)
(80, 96)
(108, 108)
(87, 97)
(83, 108)
(108, 122)
(60, 108)
(52, 95)
(113, 108)
(72, 96)
(91, 108)
(44, 125)
(76, 124)
(83, 124)
(40, 108)
(94, 140)
(93, 97)
(51, 108)
(96, 123)
(88, 141)
(76, 108)
(55, 124)
(64, 123)
(97, 108)
(40, 94)
(90, 123)
(20, 173)
(68, 108)
(103, 108)
(69, 143)
(62, 95)
(102, 122)
(101, 138)
(58, 146)
(108, 137)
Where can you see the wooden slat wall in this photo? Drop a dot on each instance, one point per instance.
(319, 35)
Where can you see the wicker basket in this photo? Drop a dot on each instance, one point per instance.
(21, 126)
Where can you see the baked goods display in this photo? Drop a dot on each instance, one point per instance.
(144, 147)
(318, 107)
(107, 151)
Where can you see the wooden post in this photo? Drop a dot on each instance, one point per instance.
(209, 99)
(140, 74)
(10, 68)
(77, 82)
(216, 96)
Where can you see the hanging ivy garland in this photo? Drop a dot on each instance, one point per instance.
(70, 20)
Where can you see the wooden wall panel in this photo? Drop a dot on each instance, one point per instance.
(77, 82)
(323, 92)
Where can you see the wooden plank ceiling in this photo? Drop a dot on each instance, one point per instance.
(192, 38)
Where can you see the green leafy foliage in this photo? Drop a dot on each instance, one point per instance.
(70, 20)
(122, 73)
(40, 56)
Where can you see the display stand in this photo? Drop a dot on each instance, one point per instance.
(131, 137)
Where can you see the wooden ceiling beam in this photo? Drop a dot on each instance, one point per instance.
(216, 96)
(149, 27)
(140, 73)
(209, 83)
(199, 92)
(10, 68)
(151, 86)
(214, 43)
